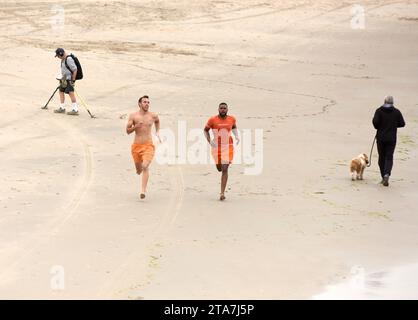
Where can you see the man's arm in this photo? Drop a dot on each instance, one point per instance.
(209, 126)
(401, 121)
(157, 126)
(235, 132)
(376, 119)
(73, 68)
(207, 134)
(130, 127)
(74, 75)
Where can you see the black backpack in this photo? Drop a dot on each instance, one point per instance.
(79, 75)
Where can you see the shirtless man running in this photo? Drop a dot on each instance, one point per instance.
(142, 148)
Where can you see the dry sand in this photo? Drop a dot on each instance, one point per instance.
(296, 69)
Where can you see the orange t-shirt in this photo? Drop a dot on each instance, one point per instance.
(222, 128)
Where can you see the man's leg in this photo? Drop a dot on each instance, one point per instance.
(224, 180)
(62, 97)
(138, 167)
(61, 108)
(145, 177)
(72, 96)
(381, 161)
(390, 149)
(138, 160)
(74, 106)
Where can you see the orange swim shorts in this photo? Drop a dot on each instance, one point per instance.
(142, 151)
(223, 155)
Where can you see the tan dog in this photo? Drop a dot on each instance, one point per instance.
(358, 165)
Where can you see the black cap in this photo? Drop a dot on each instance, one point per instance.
(59, 52)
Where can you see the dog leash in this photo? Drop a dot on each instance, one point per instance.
(371, 151)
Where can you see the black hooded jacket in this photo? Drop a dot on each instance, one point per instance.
(386, 120)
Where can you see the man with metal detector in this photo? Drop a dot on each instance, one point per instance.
(70, 73)
(387, 119)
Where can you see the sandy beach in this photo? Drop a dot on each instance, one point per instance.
(307, 75)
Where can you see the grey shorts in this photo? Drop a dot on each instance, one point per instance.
(66, 87)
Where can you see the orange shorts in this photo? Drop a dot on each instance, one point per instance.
(223, 155)
(142, 151)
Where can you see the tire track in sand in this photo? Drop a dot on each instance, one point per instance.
(167, 220)
(42, 236)
(324, 107)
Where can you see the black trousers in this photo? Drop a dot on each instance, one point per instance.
(386, 150)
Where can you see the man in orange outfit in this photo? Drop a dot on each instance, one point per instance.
(142, 148)
(222, 144)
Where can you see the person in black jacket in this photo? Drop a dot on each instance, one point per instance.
(387, 119)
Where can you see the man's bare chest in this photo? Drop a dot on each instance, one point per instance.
(144, 122)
